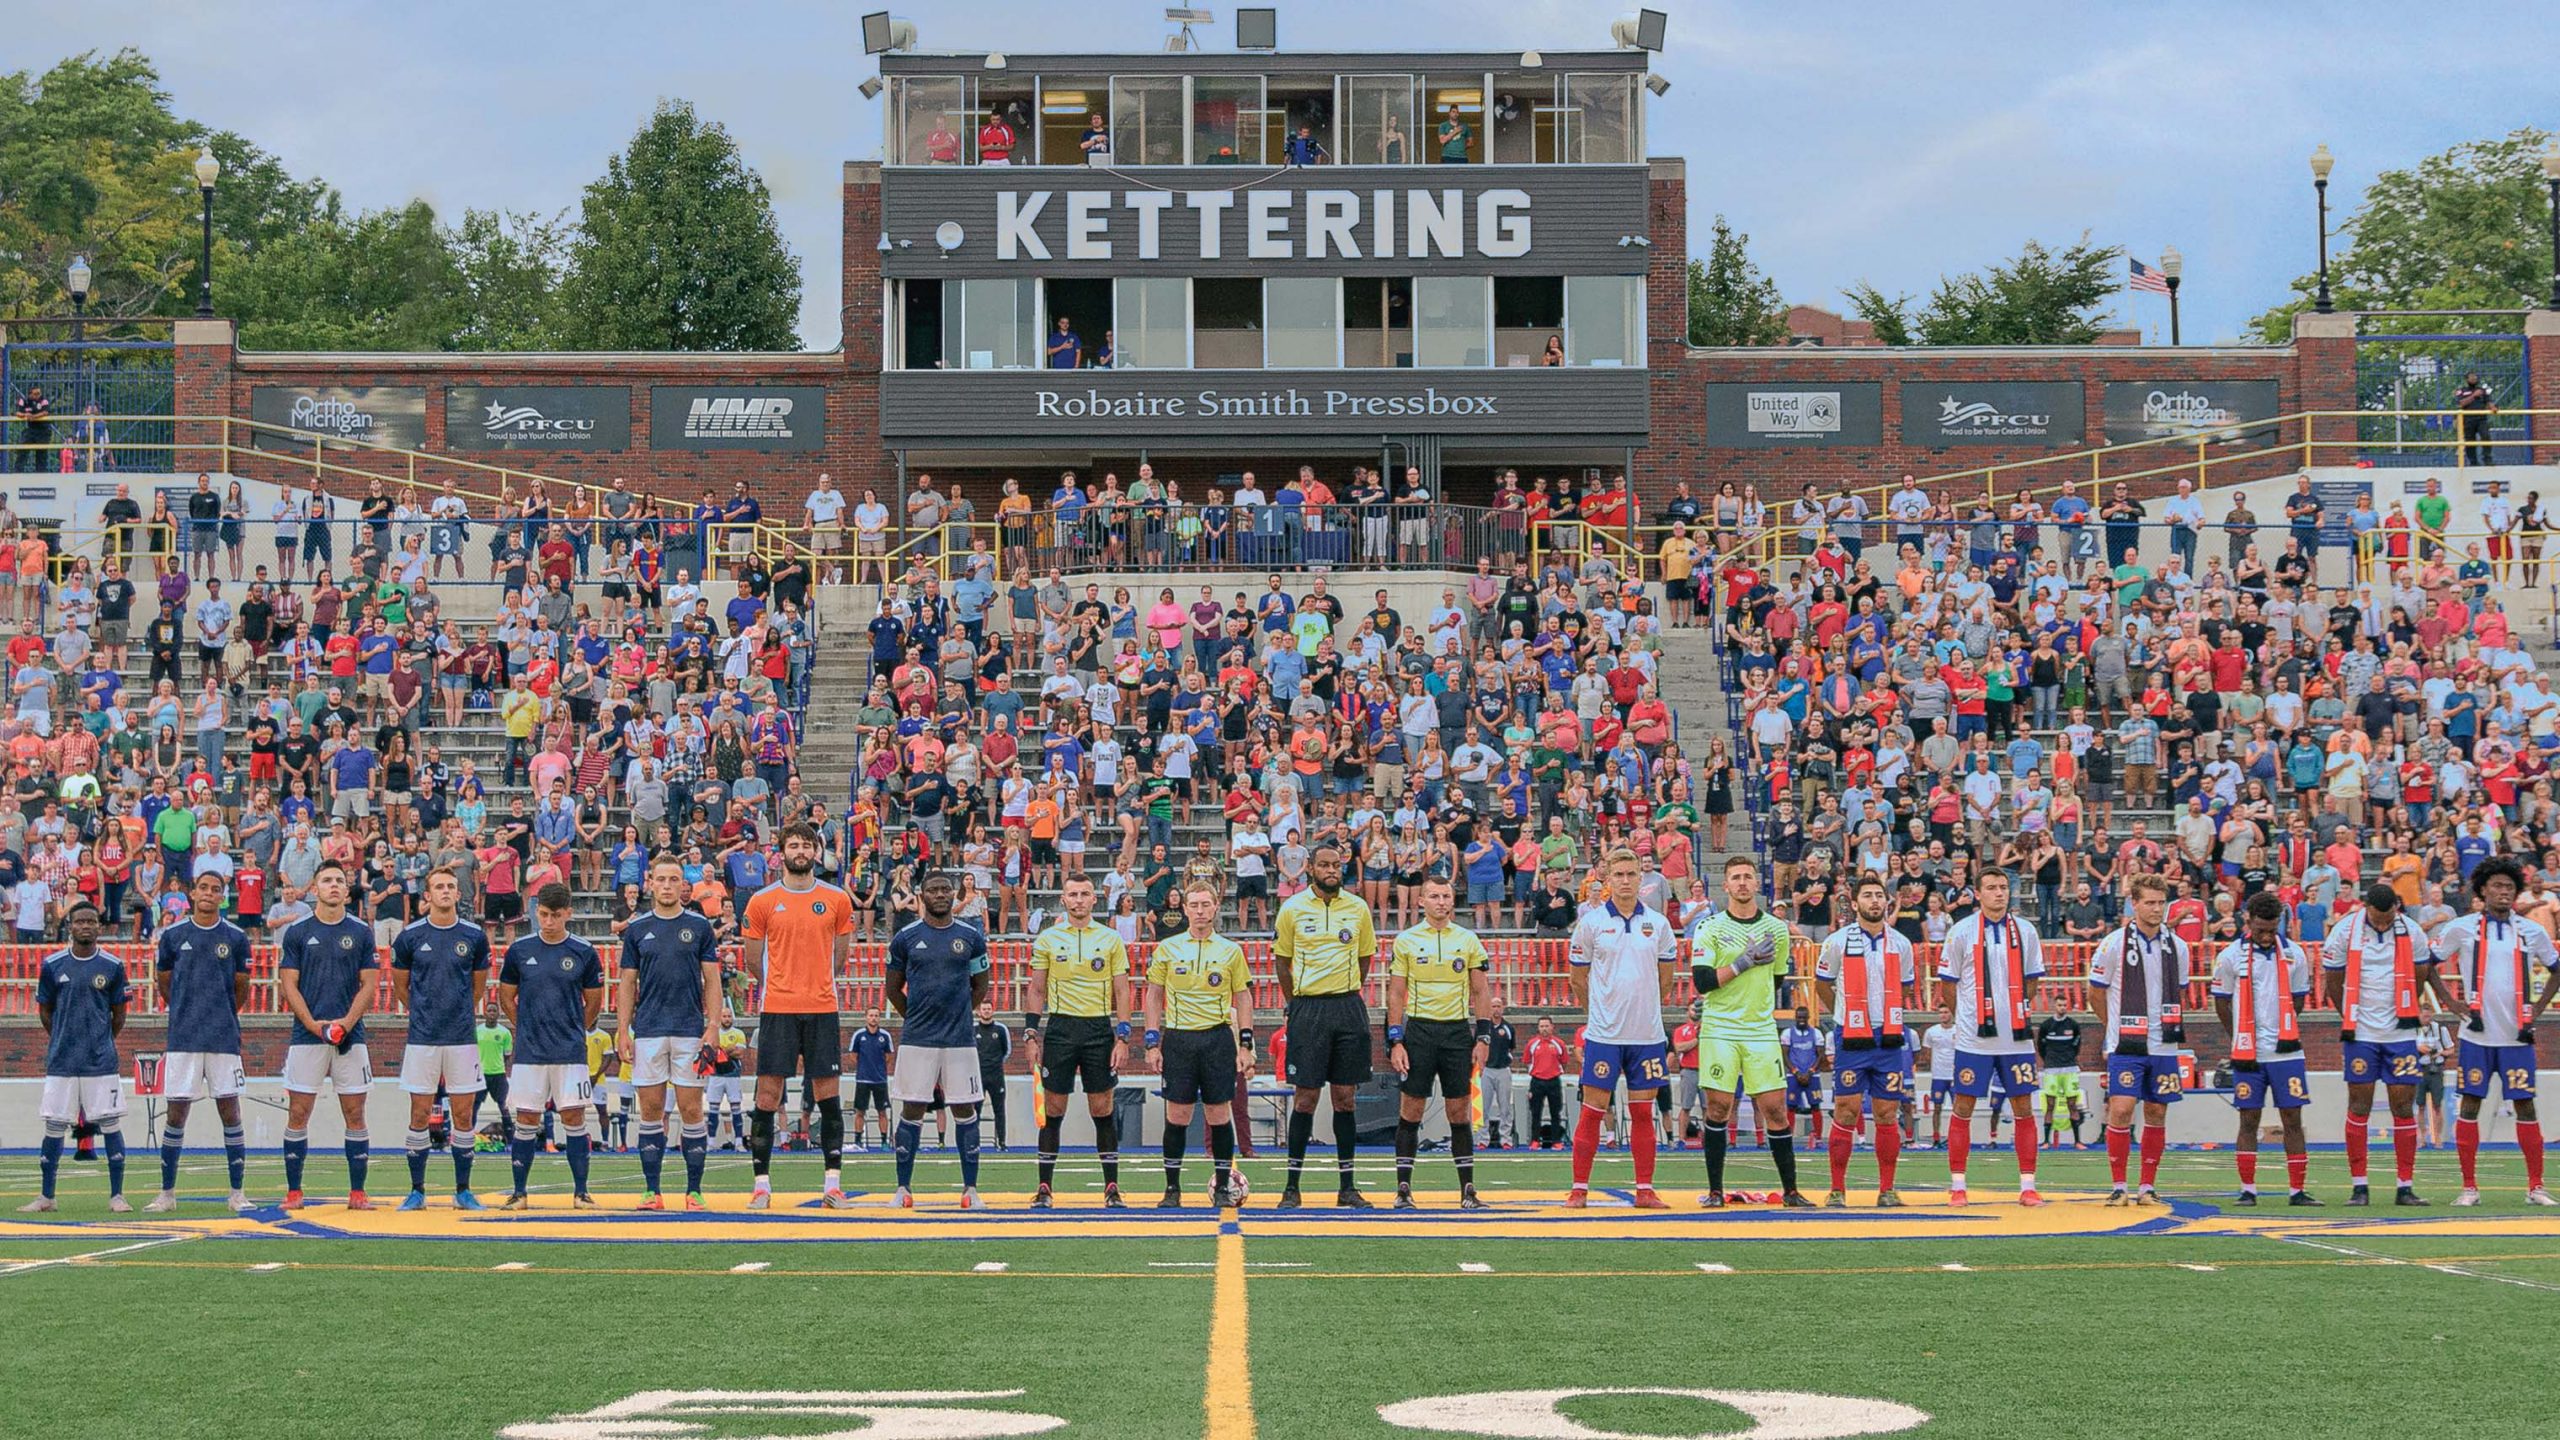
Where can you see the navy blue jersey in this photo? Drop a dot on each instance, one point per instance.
(669, 953)
(446, 964)
(552, 981)
(197, 965)
(332, 959)
(871, 1056)
(938, 961)
(84, 995)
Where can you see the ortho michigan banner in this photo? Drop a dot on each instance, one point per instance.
(374, 414)
(2167, 409)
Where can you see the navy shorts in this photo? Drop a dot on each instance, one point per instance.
(1879, 1074)
(2285, 1078)
(2484, 1065)
(2387, 1062)
(1644, 1067)
(2012, 1075)
(2144, 1077)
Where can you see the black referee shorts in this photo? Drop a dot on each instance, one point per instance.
(1441, 1052)
(1073, 1047)
(1200, 1067)
(1328, 1040)
(785, 1042)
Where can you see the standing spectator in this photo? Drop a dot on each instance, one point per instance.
(2477, 405)
(1066, 350)
(2185, 515)
(34, 412)
(1454, 137)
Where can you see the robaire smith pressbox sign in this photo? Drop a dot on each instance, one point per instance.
(922, 406)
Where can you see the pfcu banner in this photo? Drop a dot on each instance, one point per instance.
(537, 417)
(2014, 414)
(392, 415)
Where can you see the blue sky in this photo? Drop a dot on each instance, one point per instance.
(1858, 142)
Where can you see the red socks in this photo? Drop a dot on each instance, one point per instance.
(2358, 1138)
(1841, 1140)
(2404, 1149)
(1586, 1143)
(1642, 1143)
(2297, 1170)
(2529, 1140)
(2466, 1144)
(1888, 1154)
(2155, 1143)
(1959, 1146)
(2247, 1160)
(2024, 1143)
(2119, 1150)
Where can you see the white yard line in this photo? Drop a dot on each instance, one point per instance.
(2465, 1273)
(30, 1266)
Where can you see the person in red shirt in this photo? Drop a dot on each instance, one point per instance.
(249, 898)
(2186, 915)
(1684, 1079)
(1546, 1057)
(2230, 667)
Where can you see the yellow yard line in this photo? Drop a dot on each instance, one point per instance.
(1228, 1398)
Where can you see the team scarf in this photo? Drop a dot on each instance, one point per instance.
(1862, 1020)
(1986, 1024)
(2146, 974)
(2477, 983)
(2404, 980)
(2244, 1040)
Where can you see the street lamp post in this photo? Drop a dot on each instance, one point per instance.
(77, 282)
(208, 170)
(2322, 162)
(2172, 265)
(2551, 177)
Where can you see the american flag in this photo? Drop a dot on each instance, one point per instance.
(2146, 278)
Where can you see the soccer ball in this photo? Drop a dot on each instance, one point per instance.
(1243, 1188)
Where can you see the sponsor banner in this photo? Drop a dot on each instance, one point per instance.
(374, 414)
(2215, 410)
(1761, 417)
(2008, 414)
(737, 417)
(1136, 404)
(537, 417)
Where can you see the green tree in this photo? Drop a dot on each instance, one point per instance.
(2467, 229)
(677, 249)
(509, 266)
(1730, 301)
(384, 280)
(2042, 297)
(92, 163)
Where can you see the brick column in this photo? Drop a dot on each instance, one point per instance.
(205, 354)
(1675, 422)
(854, 455)
(2324, 348)
(2542, 381)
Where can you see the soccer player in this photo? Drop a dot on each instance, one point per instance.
(1864, 971)
(439, 966)
(1439, 1010)
(80, 998)
(724, 1093)
(1621, 955)
(2379, 958)
(204, 980)
(324, 967)
(2141, 969)
(1940, 1041)
(2260, 982)
(670, 1030)
(872, 1047)
(1325, 941)
(1800, 1049)
(1199, 1039)
(551, 989)
(1074, 1028)
(1736, 956)
(2057, 1039)
(797, 932)
(2493, 951)
(995, 1046)
(938, 975)
(1994, 959)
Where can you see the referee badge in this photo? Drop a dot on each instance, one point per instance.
(1096, 964)
(1343, 935)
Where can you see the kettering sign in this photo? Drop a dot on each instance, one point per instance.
(737, 417)
(2023, 415)
(1030, 407)
(537, 417)
(1766, 417)
(393, 415)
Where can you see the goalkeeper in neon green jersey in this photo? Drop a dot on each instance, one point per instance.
(1736, 956)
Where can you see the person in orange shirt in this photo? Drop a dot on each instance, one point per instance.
(32, 556)
(798, 931)
(1041, 818)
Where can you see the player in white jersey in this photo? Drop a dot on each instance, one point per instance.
(2260, 983)
(1868, 969)
(1940, 1042)
(2141, 968)
(1994, 959)
(2492, 952)
(2378, 960)
(1621, 953)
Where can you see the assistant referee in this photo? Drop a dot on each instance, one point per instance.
(1199, 1038)
(1324, 941)
(1436, 984)
(1077, 1021)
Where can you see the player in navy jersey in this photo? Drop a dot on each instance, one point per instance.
(670, 1009)
(324, 967)
(439, 969)
(551, 988)
(203, 963)
(80, 997)
(938, 974)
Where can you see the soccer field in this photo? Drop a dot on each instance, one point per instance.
(1989, 1321)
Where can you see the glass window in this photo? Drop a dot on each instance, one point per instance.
(1303, 323)
(1290, 104)
(1146, 120)
(1377, 323)
(1604, 320)
(1524, 119)
(1226, 324)
(1153, 323)
(1377, 120)
(929, 120)
(1086, 307)
(919, 325)
(997, 325)
(1453, 320)
(1071, 111)
(1007, 100)
(1456, 120)
(1528, 310)
(1226, 119)
(1602, 111)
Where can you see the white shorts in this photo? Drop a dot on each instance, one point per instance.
(724, 1089)
(531, 1087)
(194, 1074)
(922, 1069)
(658, 1060)
(305, 1066)
(453, 1068)
(69, 1097)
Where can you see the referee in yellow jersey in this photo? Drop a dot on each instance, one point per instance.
(1325, 942)
(1077, 1021)
(1436, 985)
(1199, 1039)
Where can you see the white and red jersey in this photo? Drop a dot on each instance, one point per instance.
(2491, 963)
(2144, 977)
(2278, 978)
(1624, 954)
(2005, 950)
(2382, 1012)
(1884, 969)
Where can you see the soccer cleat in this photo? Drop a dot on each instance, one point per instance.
(582, 1201)
(293, 1200)
(1404, 1198)
(1468, 1199)
(241, 1204)
(517, 1201)
(1111, 1198)
(1647, 1200)
(651, 1201)
(833, 1199)
(1888, 1199)
(2302, 1200)
(760, 1199)
(2407, 1195)
(969, 1199)
(1350, 1198)
(118, 1205)
(1043, 1199)
(1289, 1199)
(465, 1200)
(1577, 1198)
(2116, 1198)
(2469, 1197)
(1172, 1199)
(906, 1198)
(415, 1200)
(1956, 1197)
(1712, 1200)
(41, 1205)
(358, 1200)
(2148, 1196)
(693, 1201)
(2247, 1199)
(161, 1204)
(2030, 1199)
(1836, 1200)
(2359, 1196)
(1222, 1198)
(1794, 1200)
(2539, 1196)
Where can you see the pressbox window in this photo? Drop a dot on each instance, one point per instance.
(1154, 323)
(1604, 320)
(1601, 114)
(1302, 323)
(1288, 104)
(1455, 324)
(1377, 121)
(1226, 119)
(1067, 107)
(996, 325)
(1377, 323)
(930, 120)
(1527, 311)
(1226, 324)
(1147, 125)
(1524, 120)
